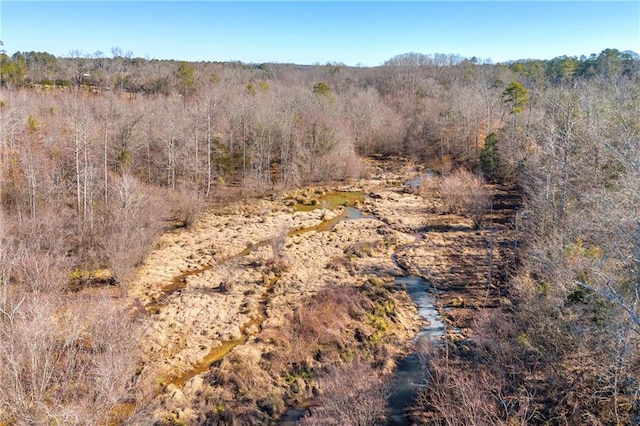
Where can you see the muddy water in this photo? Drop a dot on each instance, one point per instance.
(180, 281)
(327, 225)
(330, 201)
(214, 355)
(219, 352)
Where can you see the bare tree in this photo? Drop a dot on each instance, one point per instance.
(464, 193)
(132, 224)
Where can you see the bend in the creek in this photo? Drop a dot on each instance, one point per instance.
(344, 200)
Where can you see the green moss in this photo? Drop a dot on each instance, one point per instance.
(544, 288)
(378, 322)
(347, 355)
(78, 274)
(523, 340)
(376, 282)
(376, 338)
(386, 307)
(300, 372)
(582, 249)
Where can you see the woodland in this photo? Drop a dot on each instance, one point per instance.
(101, 155)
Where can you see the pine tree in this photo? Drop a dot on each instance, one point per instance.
(490, 158)
(517, 96)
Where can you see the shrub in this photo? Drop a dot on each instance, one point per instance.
(464, 193)
(351, 395)
(188, 207)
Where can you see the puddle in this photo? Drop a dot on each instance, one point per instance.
(414, 184)
(327, 225)
(294, 414)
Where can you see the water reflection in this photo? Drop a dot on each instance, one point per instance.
(409, 376)
(420, 292)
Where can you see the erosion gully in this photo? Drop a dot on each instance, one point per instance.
(409, 373)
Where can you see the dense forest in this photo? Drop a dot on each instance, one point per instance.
(98, 155)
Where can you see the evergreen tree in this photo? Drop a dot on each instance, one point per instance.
(490, 158)
(321, 89)
(517, 96)
(186, 78)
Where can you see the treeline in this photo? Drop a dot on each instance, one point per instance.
(125, 72)
(96, 154)
(609, 63)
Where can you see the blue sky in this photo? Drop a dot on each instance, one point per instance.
(304, 32)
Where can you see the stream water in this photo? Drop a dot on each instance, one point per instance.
(408, 377)
(421, 294)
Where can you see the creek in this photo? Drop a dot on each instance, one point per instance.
(408, 377)
(409, 374)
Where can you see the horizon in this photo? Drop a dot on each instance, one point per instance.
(310, 33)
